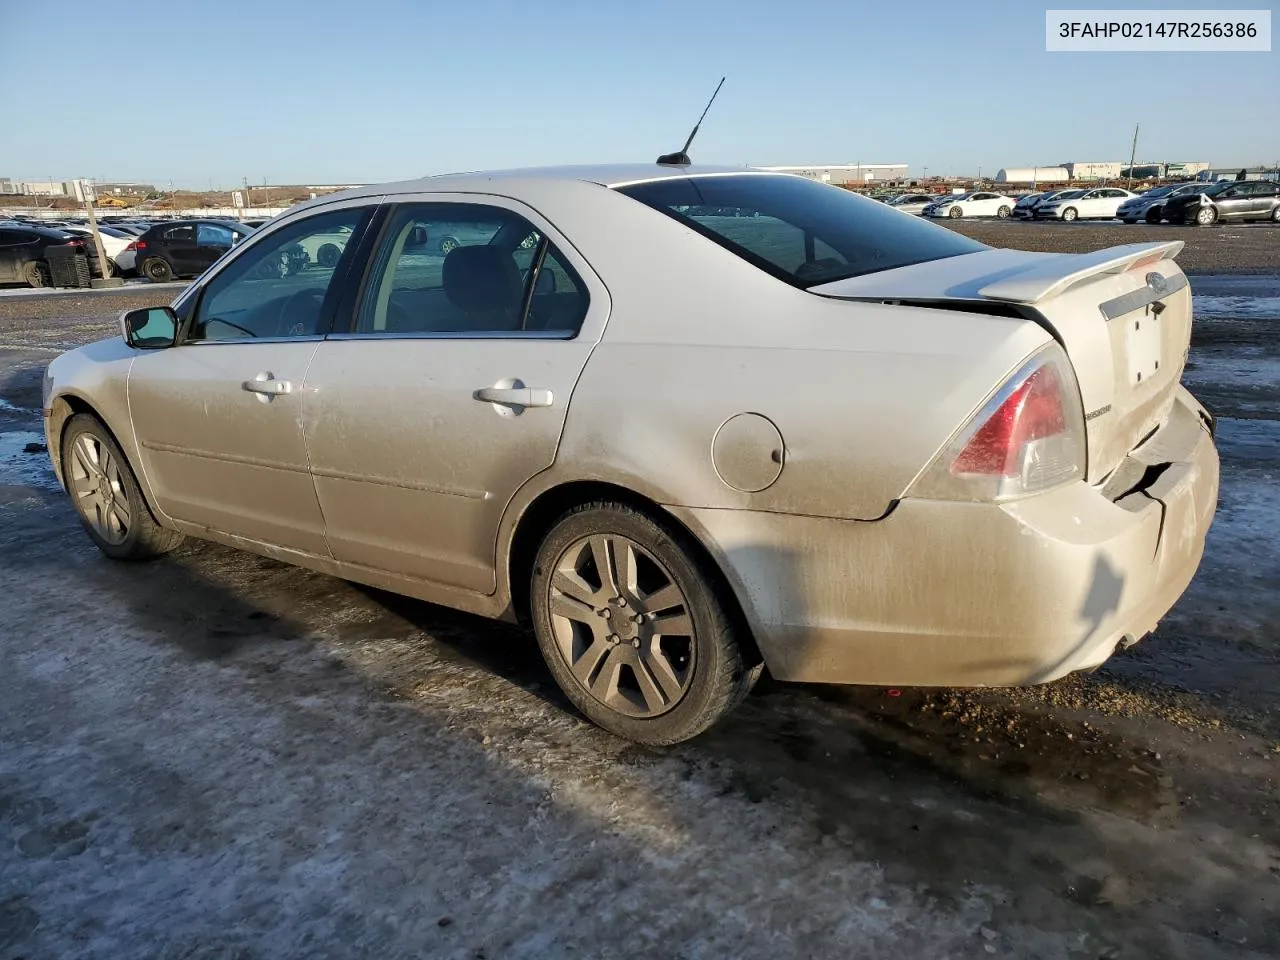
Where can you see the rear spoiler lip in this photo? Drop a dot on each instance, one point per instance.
(1054, 275)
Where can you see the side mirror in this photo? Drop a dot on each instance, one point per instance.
(150, 328)
(417, 237)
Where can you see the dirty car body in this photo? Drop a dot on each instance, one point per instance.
(891, 454)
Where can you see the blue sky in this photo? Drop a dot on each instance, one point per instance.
(327, 92)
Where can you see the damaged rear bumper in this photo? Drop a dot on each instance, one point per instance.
(971, 594)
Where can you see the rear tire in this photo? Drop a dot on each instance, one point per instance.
(157, 270)
(1003, 213)
(1153, 216)
(602, 635)
(36, 274)
(106, 495)
(1275, 215)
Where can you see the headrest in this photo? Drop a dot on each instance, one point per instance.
(482, 279)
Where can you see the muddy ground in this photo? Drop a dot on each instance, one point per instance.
(219, 756)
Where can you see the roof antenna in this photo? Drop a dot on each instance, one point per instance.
(681, 159)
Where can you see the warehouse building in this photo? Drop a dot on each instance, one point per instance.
(1098, 170)
(842, 173)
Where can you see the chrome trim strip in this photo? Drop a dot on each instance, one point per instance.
(460, 335)
(1095, 414)
(1137, 299)
(243, 340)
(462, 492)
(228, 457)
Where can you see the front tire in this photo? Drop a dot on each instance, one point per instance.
(1275, 215)
(106, 495)
(1070, 214)
(955, 213)
(1206, 215)
(631, 624)
(1003, 213)
(157, 270)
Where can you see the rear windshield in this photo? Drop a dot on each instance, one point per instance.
(800, 231)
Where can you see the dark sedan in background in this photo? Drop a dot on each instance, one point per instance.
(1233, 200)
(24, 252)
(185, 248)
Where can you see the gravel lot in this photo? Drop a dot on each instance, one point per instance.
(219, 756)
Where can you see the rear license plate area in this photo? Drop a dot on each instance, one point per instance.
(1144, 343)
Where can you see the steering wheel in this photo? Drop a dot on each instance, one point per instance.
(299, 314)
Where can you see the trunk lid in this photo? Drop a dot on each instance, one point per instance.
(1122, 314)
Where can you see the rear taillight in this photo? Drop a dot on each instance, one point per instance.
(134, 245)
(1028, 437)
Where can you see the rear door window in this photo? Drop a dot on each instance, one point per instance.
(802, 232)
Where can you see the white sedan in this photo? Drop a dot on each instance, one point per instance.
(849, 445)
(1100, 203)
(116, 244)
(977, 204)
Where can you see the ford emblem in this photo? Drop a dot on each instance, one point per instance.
(1158, 284)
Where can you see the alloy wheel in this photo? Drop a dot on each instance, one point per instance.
(98, 490)
(622, 625)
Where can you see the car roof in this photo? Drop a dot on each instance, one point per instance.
(521, 181)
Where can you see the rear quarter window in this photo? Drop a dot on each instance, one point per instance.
(802, 232)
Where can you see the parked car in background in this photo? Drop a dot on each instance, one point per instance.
(912, 202)
(185, 248)
(979, 203)
(1230, 200)
(891, 401)
(1023, 207)
(1149, 206)
(1098, 203)
(116, 244)
(24, 252)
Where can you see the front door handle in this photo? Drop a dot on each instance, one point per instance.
(266, 386)
(515, 396)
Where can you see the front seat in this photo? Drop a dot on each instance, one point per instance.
(484, 283)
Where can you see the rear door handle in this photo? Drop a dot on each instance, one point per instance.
(515, 396)
(267, 386)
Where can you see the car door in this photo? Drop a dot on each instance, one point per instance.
(178, 243)
(1261, 199)
(12, 255)
(218, 418)
(212, 241)
(1234, 202)
(451, 389)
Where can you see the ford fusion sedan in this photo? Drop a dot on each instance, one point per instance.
(1100, 203)
(709, 420)
(976, 204)
(1149, 206)
(1228, 201)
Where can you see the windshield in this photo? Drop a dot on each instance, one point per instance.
(802, 232)
(1216, 189)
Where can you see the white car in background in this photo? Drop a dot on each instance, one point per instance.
(913, 203)
(1099, 203)
(976, 204)
(116, 244)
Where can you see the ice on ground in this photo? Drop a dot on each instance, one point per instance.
(1258, 308)
(21, 469)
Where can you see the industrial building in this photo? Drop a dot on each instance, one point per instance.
(842, 173)
(1032, 175)
(1097, 170)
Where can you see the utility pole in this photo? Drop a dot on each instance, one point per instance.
(266, 191)
(1133, 155)
(88, 194)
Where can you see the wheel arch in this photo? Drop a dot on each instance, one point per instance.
(65, 406)
(538, 517)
